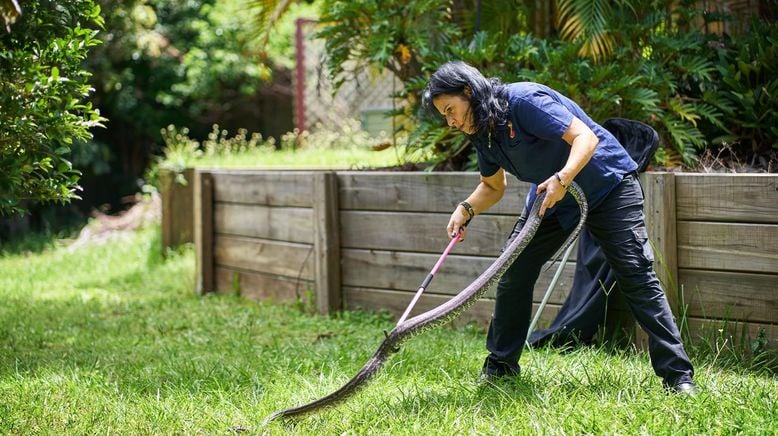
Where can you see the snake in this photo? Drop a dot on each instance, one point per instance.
(445, 312)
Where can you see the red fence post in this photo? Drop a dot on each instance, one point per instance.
(299, 86)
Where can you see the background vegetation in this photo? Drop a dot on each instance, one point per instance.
(151, 63)
(196, 63)
(346, 147)
(191, 63)
(650, 60)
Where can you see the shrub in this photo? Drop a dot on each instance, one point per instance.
(43, 92)
(346, 134)
(181, 151)
(747, 88)
(659, 68)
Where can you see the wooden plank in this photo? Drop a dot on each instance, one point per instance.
(421, 192)
(258, 286)
(718, 331)
(422, 232)
(265, 256)
(166, 181)
(748, 198)
(395, 302)
(405, 272)
(183, 205)
(327, 242)
(727, 295)
(269, 188)
(291, 224)
(204, 251)
(659, 190)
(728, 247)
(659, 208)
(177, 192)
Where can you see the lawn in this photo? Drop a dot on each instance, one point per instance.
(110, 339)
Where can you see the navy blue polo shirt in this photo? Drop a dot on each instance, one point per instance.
(530, 146)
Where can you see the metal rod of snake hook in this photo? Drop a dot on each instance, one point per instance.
(550, 289)
(430, 276)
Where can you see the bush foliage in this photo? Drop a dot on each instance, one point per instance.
(648, 61)
(43, 101)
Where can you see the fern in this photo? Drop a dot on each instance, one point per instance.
(683, 137)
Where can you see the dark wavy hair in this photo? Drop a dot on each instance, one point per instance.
(487, 104)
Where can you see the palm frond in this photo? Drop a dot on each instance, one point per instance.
(266, 14)
(711, 114)
(695, 66)
(588, 21)
(684, 110)
(646, 98)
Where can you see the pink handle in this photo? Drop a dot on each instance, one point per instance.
(445, 253)
(429, 277)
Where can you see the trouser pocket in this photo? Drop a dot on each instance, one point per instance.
(641, 236)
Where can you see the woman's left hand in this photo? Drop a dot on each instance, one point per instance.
(554, 192)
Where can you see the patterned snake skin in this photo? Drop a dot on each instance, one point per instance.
(444, 313)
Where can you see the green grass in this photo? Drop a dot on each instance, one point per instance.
(343, 145)
(307, 158)
(111, 339)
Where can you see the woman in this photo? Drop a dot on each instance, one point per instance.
(542, 137)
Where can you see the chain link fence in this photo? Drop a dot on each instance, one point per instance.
(367, 97)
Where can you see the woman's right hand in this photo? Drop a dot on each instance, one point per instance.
(456, 224)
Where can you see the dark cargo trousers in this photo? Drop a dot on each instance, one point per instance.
(618, 225)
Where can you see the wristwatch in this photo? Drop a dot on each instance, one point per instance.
(469, 210)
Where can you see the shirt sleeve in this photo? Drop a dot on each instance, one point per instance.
(542, 116)
(486, 165)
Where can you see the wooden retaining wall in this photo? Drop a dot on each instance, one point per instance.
(393, 231)
(268, 234)
(727, 245)
(367, 239)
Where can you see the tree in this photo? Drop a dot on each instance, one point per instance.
(188, 63)
(43, 100)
